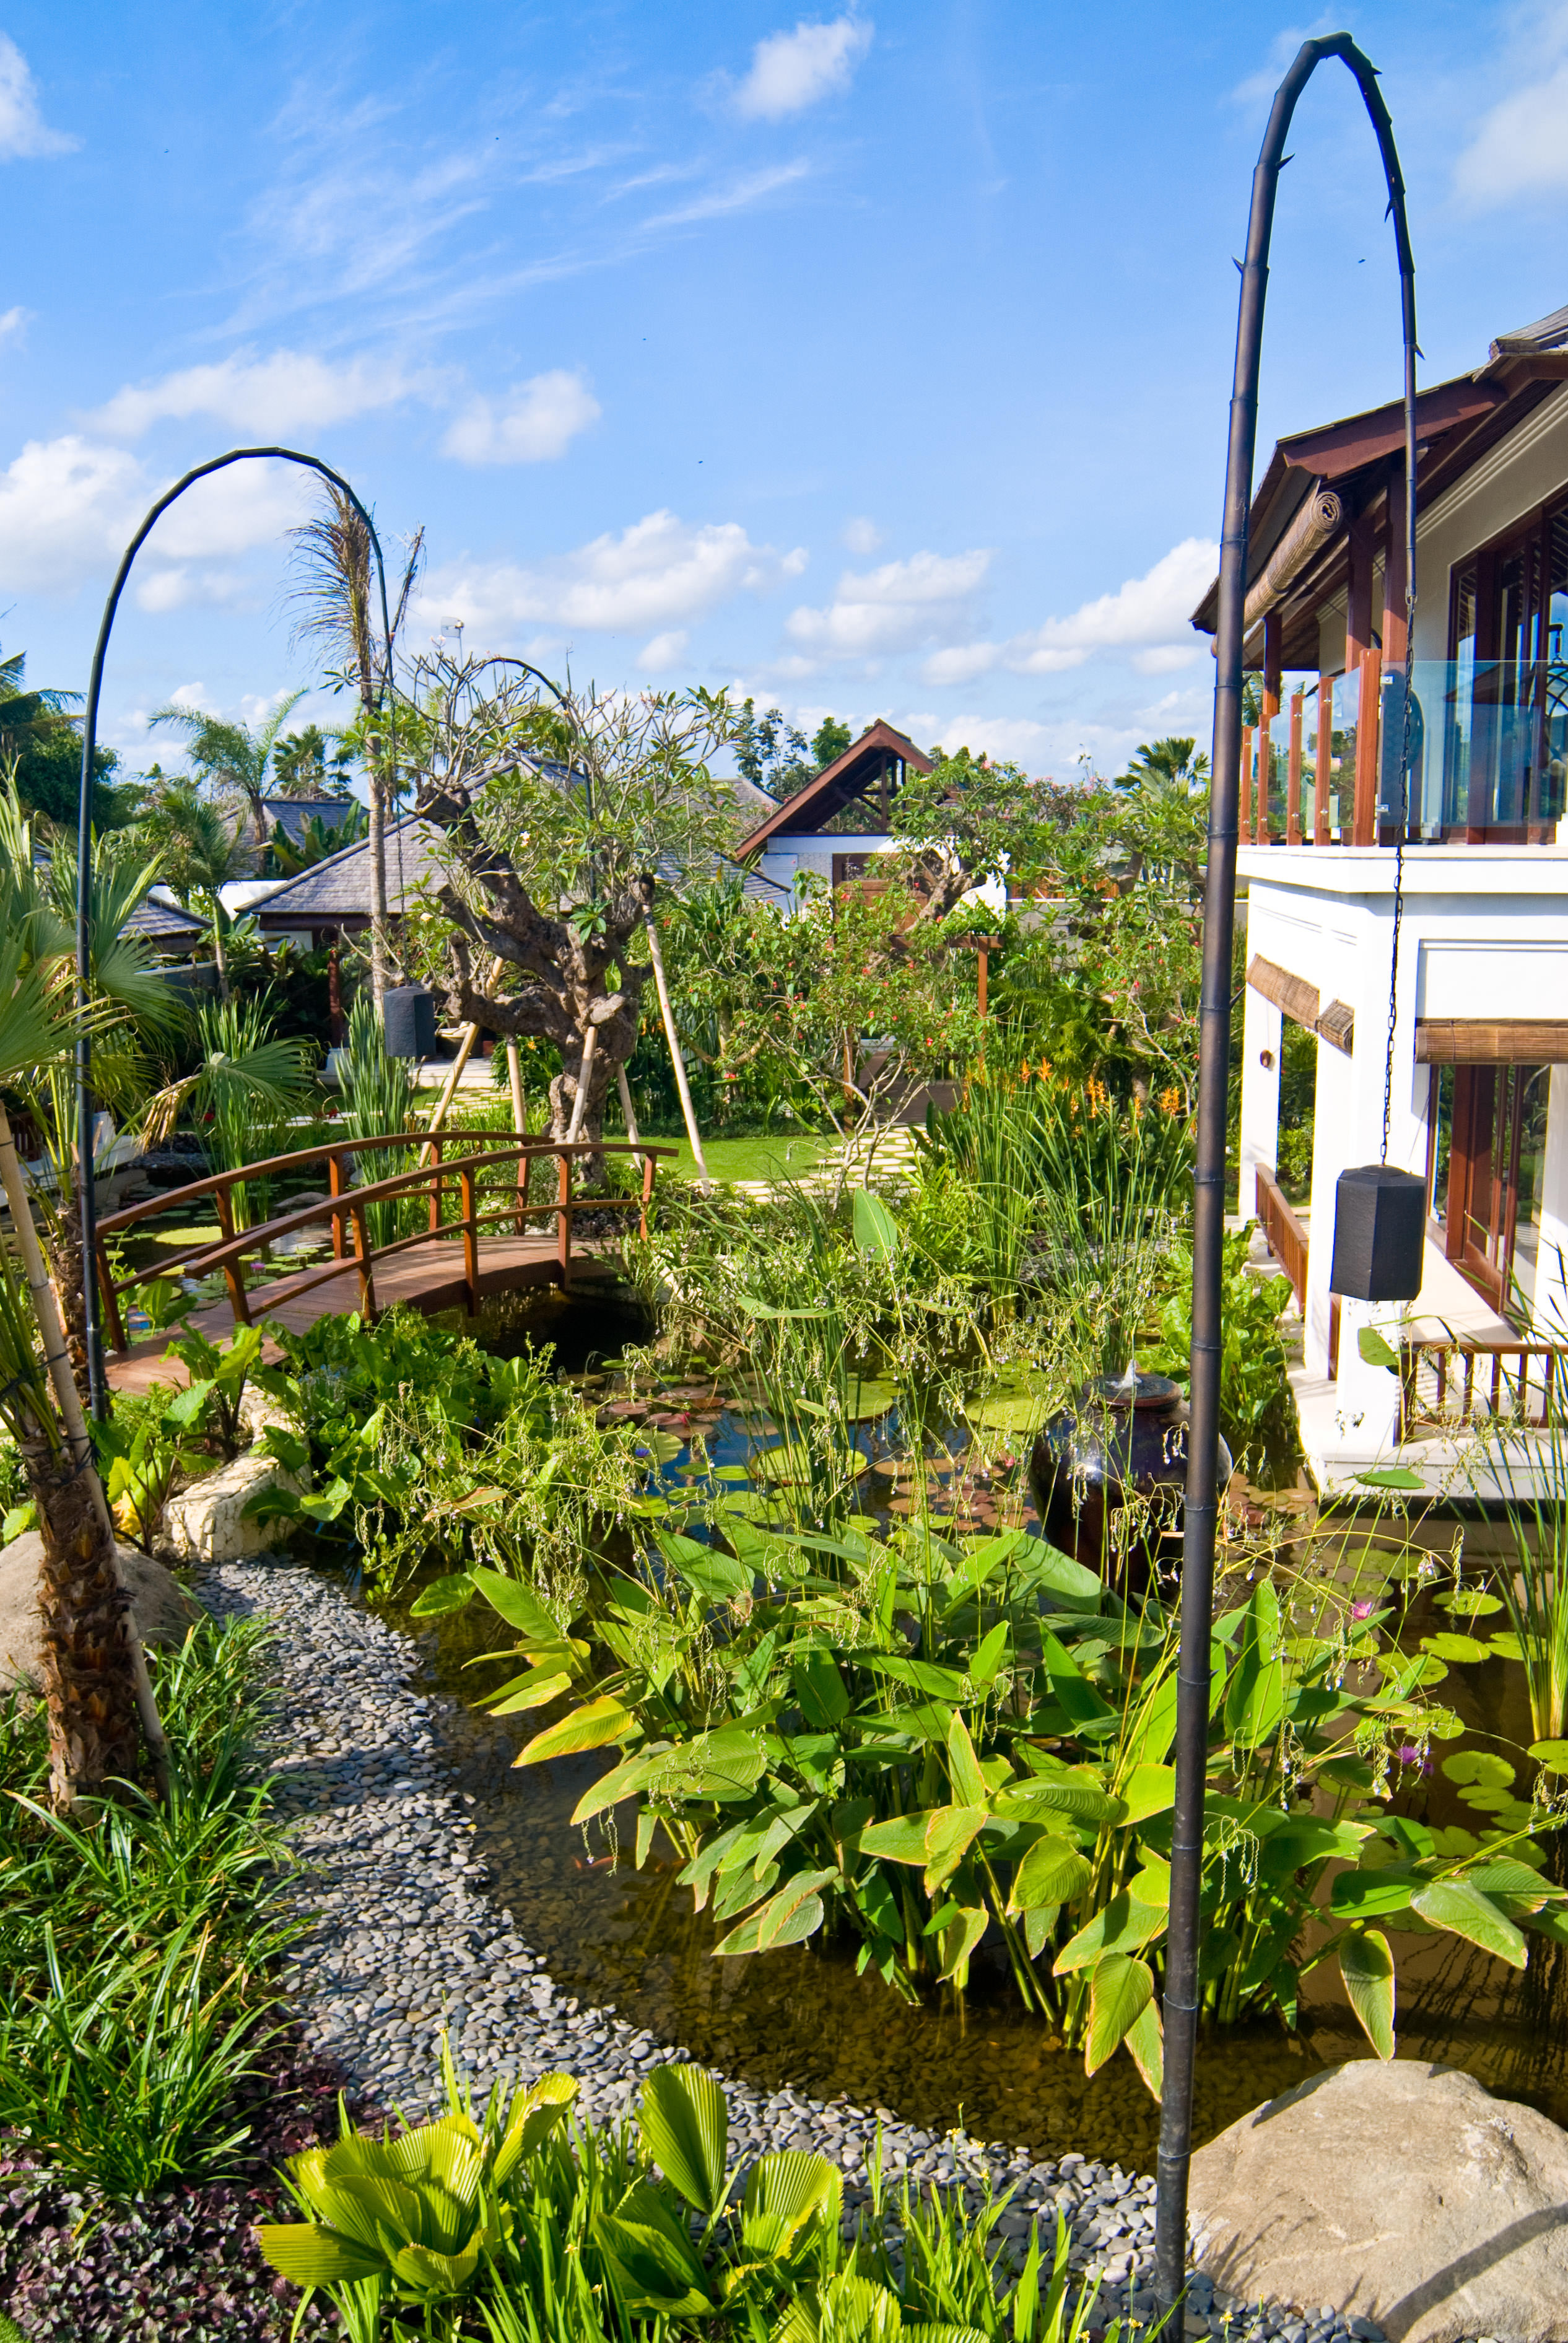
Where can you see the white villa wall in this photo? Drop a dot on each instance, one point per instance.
(1484, 934)
(813, 852)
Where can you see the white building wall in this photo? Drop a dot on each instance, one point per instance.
(1263, 1028)
(1484, 934)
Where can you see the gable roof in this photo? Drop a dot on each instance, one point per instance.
(837, 786)
(162, 923)
(1458, 422)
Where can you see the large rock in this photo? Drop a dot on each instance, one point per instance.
(1405, 2193)
(163, 1608)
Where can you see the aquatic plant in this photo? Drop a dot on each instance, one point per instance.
(927, 1742)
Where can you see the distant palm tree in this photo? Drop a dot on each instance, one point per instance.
(198, 850)
(1167, 763)
(233, 755)
(334, 564)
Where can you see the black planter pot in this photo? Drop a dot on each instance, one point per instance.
(1128, 1439)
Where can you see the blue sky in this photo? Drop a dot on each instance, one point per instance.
(874, 362)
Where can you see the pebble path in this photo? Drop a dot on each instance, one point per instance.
(405, 1939)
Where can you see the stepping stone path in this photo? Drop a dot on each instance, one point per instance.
(403, 1938)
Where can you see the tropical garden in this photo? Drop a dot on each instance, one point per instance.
(832, 1572)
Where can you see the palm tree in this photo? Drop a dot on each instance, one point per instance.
(129, 1000)
(246, 1090)
(334, 564)
(94, 1675)
(199, 851)
(1166, 764)
(233, 755)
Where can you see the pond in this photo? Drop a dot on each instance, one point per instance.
(629, 1939)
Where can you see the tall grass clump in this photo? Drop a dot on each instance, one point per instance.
(135, 1939)
(377, 1104)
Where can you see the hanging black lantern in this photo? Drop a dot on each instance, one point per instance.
(1380, 1235)
(408, 1022)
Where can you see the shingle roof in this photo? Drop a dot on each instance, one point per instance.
(294, 815)
(338, 889)
(160, 923)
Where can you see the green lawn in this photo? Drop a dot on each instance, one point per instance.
(774, 1157)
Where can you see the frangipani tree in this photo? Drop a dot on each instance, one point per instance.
(561, 825)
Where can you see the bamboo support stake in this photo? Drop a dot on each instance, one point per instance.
(57, 1360)
(519, 1121)
(628, 1110)
(585, 1077)
(677, 1060)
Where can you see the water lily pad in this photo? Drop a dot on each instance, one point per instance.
(1018, 1412)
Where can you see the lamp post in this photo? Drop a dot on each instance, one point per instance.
(97, 1386)
(1181, 1993)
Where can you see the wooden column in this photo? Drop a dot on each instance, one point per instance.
(1360, 547)
(1293, 775)
(1324, 769)
(1395, 622)
(1368, 747)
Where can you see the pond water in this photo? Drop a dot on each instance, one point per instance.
(630, 1940)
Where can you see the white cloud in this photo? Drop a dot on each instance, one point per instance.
(291, 390)
(24, 133)
(895, 608)
(1144, 613)
(192, 695)
(1148, 617)
(536, 421)
(1518, 148)
(664, 651)
(13, 321)
(861, 536)
(66, 506)
(790, 71)
(1019, 736)
(655, 574)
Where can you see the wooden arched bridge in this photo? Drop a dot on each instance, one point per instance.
(471, 1196)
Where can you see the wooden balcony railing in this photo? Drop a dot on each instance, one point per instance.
(1284, 1232)
(1444, 1384)
(443, 1176)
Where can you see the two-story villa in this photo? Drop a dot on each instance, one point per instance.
(1477, 992)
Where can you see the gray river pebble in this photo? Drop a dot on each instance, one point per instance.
(405, 1939)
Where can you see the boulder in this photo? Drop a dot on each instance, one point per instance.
(1403, 2193)
(163, 1608)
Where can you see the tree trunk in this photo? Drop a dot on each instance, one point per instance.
(86, 1652)
(377, 882)
(62, 1236)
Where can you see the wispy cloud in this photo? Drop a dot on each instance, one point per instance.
(739, 195)
(1518, 149)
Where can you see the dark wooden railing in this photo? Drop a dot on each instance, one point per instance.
(346, 1209)
(1505, 1393)
(1284, 1232)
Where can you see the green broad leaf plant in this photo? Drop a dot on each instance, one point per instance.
(647, 2227)
(931, 1744)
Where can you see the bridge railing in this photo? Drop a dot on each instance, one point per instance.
(343, 1209)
